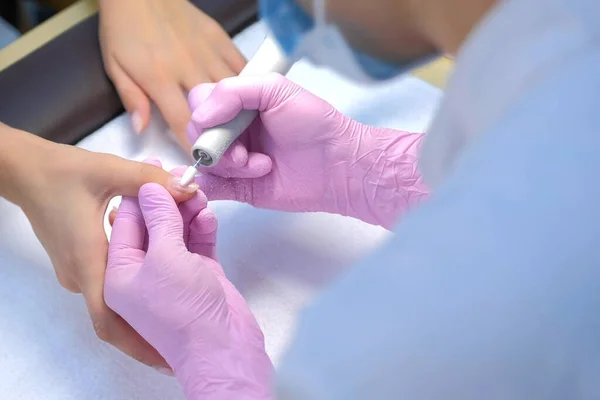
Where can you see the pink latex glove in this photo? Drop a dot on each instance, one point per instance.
(304, 155)
(164, 280)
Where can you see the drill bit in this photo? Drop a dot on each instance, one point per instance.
(190, 173)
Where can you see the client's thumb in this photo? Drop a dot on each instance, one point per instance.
(124, 177)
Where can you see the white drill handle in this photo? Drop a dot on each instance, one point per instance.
(213, 142)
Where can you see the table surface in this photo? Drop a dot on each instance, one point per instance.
(435, 73)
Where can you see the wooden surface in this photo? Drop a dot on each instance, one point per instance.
(435, 73)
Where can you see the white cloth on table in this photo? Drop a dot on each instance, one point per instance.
(48, 349)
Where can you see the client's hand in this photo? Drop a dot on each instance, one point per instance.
(64, 191)
(163, 278)
(157, 50)
(304, 155)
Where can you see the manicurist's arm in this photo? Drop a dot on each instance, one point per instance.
(488, 290)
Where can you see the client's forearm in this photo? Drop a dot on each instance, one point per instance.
(17, 150)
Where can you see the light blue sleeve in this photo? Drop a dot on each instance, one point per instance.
(491, 289)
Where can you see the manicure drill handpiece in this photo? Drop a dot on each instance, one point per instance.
(212, 144)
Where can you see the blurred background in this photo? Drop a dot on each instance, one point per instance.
(19, 16)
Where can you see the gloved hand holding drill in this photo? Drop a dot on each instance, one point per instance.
(304, 155)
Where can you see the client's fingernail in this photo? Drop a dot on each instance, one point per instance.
(175, 184)
(136, 121)
(164, 371)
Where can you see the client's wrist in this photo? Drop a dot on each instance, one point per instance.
(384, 180)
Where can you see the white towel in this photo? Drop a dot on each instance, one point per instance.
(48, 350)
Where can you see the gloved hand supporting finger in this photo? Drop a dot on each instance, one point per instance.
(127, 241)
(111, 328)
(199, 223)
(203, 234)
(107, 324)
(129, 227)
(189, 210)
(163, 220)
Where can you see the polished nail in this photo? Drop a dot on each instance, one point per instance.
(136, 121)
(175, 184)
